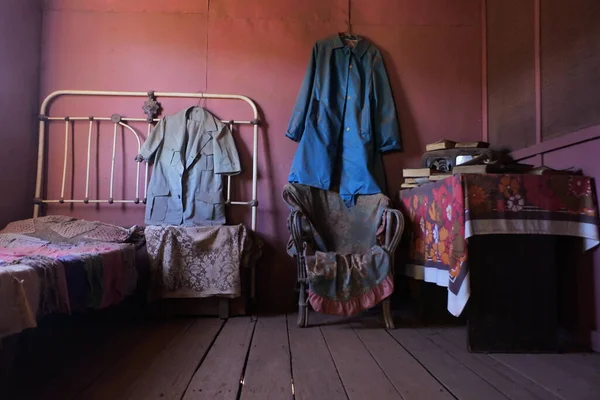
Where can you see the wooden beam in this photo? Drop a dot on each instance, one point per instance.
(571, 139)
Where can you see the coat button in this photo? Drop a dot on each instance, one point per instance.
(178, 196)
(348, 128)
(350, 66)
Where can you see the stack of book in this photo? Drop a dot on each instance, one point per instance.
(444, 144)
(472, 169)
(415, 177)
(478, 164)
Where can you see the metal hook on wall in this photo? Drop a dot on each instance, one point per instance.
(348, 34)
(201, 102)
(349, 17)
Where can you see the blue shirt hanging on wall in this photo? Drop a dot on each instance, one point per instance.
(344, 118)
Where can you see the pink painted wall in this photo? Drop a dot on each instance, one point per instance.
(432, 50)
(20, 24)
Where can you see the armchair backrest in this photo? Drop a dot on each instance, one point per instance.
(334, 226)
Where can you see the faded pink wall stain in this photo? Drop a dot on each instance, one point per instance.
(260, 49)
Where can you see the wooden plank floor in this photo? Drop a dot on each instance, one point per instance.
(270, 358)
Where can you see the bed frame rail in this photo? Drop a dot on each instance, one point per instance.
(119, 121)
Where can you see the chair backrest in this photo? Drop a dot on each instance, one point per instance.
(337, 227)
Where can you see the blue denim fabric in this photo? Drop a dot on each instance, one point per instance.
(344, 118)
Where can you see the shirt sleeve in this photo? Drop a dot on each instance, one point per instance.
(385, 121)
(226, 157)
(298, 119)
(152, 143)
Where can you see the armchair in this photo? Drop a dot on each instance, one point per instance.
(344, 255)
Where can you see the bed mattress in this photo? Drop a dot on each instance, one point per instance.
(60, 264)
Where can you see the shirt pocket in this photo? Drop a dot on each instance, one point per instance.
(172, 157)
(207, 162)
(207, 195)
(160, 204)
(207, 175)
(204, 207)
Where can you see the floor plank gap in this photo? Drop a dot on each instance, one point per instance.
(378, 364)
(287, 329)
(210, 346)
(359, 372)
(219, 374)
(334, 364)
(267, 373)
(315, 374)
(462, 362)
(564, 375)
(169, 375)
(417, 361)
(458, 379)
(241, 385)
(510, 382)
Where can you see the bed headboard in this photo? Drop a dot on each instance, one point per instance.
(121, 125)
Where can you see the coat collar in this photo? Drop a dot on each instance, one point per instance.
(200, 114)
(194, 141)
(359, 50)
(195, 113)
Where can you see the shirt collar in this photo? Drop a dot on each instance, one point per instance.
(359, 50)
(199, 114)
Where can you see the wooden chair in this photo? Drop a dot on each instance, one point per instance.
(319, 221)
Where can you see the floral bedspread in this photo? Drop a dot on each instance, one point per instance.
(59, 264)
(443, 215)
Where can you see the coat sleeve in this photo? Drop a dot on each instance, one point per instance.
(298, 119)
(385, 119)
(225, 154)
(152, 143)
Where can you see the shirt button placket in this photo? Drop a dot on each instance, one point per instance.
(347, 97)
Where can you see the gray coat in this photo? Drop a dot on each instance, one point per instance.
(191, 150)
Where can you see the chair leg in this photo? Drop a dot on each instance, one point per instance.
(302, 307)
(387, 314)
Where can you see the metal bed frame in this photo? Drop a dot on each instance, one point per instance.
(121, 121)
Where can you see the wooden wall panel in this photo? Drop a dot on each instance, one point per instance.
(130, 6)
(570, 56)
(411, 12)
(511, 75)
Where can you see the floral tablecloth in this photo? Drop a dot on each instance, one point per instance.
(441, 216)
